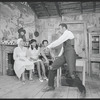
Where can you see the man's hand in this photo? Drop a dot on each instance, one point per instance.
(50, 67)
(47, 61)
(46, 48)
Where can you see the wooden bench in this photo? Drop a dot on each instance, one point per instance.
(79, 63)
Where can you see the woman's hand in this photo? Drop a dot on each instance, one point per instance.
(32, 59)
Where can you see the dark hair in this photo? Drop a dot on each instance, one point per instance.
(44, 41)
(21, 30)
(31, 41)
(63, 25)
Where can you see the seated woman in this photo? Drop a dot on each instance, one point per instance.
(21, 61)
(47, 55)
(33, 54)
(47, 52)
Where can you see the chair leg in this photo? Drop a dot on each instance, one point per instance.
(60, 75)
(57, 77)
(84, 74)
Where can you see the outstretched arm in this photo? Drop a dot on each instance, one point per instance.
(66, 35)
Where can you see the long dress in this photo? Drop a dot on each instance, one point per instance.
(19, 65)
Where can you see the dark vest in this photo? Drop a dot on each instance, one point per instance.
(68, 45)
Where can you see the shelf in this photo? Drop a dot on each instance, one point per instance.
(95, 48)
(95, 41)
(96, 36)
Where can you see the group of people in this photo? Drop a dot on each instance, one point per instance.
(66, 55)
(26, 58)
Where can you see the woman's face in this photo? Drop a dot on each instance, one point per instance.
(45, 43)
(33, 44)
(21, 43)
(22, 33)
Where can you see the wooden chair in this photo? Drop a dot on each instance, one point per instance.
(79, 63)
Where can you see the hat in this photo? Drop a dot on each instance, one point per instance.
(21, 30)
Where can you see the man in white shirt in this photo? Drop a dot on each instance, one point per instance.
(67, 55)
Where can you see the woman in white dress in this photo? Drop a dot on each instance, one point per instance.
(21, 61)
(33, 53)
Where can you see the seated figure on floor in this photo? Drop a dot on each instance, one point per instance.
(21, 62)
(33, 54)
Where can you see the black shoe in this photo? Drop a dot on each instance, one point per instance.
(83, 94)
(49, 88)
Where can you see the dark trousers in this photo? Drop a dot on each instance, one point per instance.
(68, 57)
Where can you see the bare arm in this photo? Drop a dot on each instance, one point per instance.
(43, 54)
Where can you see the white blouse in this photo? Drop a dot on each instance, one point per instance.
(19, 53)
(35, 52)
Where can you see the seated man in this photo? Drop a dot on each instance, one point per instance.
(48, 55)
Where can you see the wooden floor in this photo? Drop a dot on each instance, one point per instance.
(11, 87)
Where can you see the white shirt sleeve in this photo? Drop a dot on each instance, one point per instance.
(61, 51)
(65, 36)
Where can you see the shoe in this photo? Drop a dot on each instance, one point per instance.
(31, 79)
(40, 80)
(49, 88)
(45, 78)
(23, 81)
(83, 94)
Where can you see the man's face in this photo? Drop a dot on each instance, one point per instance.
(61, 29)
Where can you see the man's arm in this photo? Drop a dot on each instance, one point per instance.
(66, 35)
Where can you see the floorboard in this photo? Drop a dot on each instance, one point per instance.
(11, 87)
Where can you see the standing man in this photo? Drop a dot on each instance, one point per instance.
(67, 55)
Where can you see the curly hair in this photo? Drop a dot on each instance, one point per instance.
(44, 41)
(31, 41)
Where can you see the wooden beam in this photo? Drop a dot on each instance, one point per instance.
(45, 8)
(31, 3)
(58, 10)
(81, 7)
(94, 6)
(33, 8)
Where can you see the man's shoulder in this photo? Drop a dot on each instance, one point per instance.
(68, 31)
